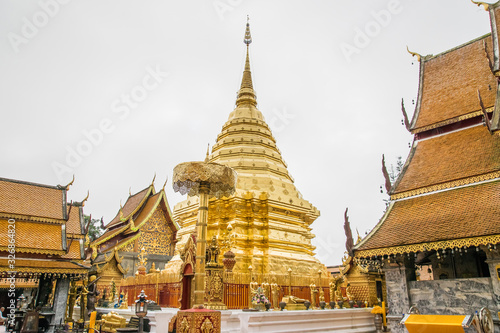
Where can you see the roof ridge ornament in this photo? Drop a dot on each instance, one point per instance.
(164, 184)
(388, 184)
(153, 181)
(83, 201)
(246, 94)
(485, 5)
(67, 186)
(414, 54)
(206, 157)
(405, 119)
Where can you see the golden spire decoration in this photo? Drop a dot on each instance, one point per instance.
(485, 5)
(246, 94)
(208, 150)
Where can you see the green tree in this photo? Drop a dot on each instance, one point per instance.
(95, 229)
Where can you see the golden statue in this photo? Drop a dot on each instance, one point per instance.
(314, 292)
(265, 288)
(275, 291)
(253, 290)
(71, 301)
(348, 292)
(112, 321)
(124, 304)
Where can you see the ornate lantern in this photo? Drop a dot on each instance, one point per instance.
(141, 309)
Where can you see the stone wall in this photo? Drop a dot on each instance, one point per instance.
(452, 297)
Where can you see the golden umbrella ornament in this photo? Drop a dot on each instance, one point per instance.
(205, 180)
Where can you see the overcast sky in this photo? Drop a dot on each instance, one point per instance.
(114, 91)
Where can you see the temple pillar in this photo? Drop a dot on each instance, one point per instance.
(60, 299)
(493, 261)
(398, 297)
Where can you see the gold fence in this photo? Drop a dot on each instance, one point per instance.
(166, 289)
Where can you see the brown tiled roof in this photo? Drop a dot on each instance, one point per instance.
(73, 224)
(130, 206)
(450, 84)
(470, 211)
(148, 209)
(45, 266)
(31, 235)
(461, 154)
(109, 234)
(74, 250)
(30, 199)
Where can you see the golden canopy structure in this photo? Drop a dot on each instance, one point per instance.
(203, 179)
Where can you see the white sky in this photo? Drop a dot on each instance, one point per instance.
(68, 76)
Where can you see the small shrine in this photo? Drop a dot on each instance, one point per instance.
(143, 225)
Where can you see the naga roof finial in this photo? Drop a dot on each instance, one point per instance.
(70, 183)
(485, 5)
(414, 54)
(164, 184)
(153, 181)
(83, 201)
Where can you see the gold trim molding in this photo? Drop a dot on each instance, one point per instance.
(451, 121)
(447, 244)
(444, 186)
(31, 250)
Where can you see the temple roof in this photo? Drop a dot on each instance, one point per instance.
(448, 95)
(48, 239)
(449, 157)
(136, 211)
(44, 266)
(461, 213)
(31, 199)
(132, 205)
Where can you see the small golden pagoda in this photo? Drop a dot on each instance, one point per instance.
(271, 220)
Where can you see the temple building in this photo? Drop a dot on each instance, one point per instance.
(42, 238)
(271, 220)
(443, 217)
(145, 224)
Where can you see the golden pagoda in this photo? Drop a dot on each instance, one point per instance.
(271, 221)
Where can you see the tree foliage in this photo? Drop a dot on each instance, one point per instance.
(95, 229)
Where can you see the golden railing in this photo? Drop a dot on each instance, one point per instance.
(165, 289)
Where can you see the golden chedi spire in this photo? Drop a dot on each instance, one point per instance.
(273, 228)
(246, 94)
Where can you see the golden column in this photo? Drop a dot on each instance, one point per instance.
(205, 180)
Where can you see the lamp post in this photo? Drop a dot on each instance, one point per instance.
(141, 309)
(203, 179)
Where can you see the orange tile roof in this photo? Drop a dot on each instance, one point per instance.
(32, 236)
(31, 199)
(130, 206)
(470, 211)
(147, 209)
(74, 250)
(461, 154)
(73, 225)
(43, 266)
(450, 83)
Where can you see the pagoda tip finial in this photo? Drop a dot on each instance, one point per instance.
(248, 36)
(414, 54)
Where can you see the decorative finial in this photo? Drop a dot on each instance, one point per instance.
(70, 183)
(388, 184)
(414, 54)
(248, 36)
(83, 201)
(164, 184)
(153, 181)
(130, 191)
(485, 5)
(206, 157)
(487, 120)
(405, 116)
(122, 218)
